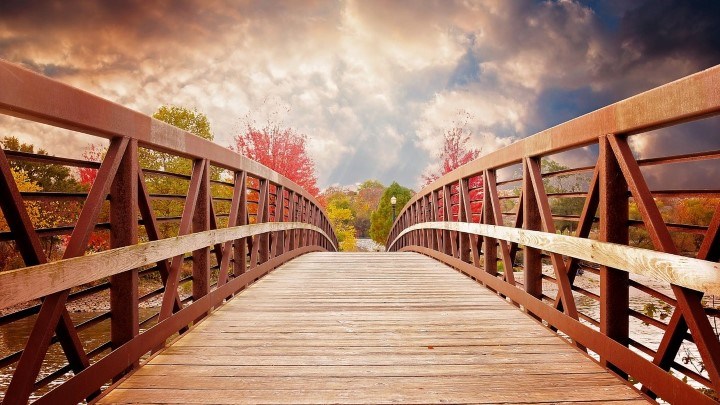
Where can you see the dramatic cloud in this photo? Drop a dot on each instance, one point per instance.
(373, 84)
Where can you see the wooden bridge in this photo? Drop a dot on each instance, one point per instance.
(230, 291)
(369, 328)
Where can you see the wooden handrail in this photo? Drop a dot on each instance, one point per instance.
(34, 282)
(696, 274)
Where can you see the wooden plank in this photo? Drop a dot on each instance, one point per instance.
(369, 328)
(368, 394)
(343, 383)
(438, 370)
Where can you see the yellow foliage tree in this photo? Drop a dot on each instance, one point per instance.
(9, 258)
(341, 218)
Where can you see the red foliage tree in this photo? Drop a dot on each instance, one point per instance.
(281, 149)
(456, 152)
(99, 240)
(88, 174)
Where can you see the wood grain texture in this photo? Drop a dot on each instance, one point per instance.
(369, 328)
(696, 274)
(29, 283)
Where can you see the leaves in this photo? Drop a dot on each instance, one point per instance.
(456, 151)
(381, 219)
(341, 217)
(281, 149)
(365, 202)
(48, 177)
(192, 121)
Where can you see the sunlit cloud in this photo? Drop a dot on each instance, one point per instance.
(373, 84)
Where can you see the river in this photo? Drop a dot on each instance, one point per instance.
(14, 335)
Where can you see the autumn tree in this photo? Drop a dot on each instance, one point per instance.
(281, 149)
(456, 150)
(697, 211)
(48, 177)
(9, 256)
(190, 120)
(94, 153)
(341, 217)
(381, 218)
(36, 176)
(365, 202)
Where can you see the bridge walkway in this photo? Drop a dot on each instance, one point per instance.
(370, 328)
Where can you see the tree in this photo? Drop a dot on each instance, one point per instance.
(9, 256)
(281, 149)
(45, 177)
(456, 151)
(186, 119)
(189, 120)
(49, 177)
(341, 217)
(564, 183)
(356, 205)
(366, 200)
(381, 218)
(94, 153)
(690, 211)
(197, 123)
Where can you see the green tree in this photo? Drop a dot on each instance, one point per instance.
(564, 183)
(381, 218)
(197, 124)
(192, 121)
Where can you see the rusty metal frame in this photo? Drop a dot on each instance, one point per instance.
(616, 178)
(120, 179)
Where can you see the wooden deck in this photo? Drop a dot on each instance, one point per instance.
(370, 328)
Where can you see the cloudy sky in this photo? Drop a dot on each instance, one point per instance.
(373, 84)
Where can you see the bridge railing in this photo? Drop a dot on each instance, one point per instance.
(649, 268)
(150, 250)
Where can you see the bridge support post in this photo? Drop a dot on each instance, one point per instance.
(201, 222)
(124, 232)
(532, 257)
(489, 245)
(614, 284)
(240, 245)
